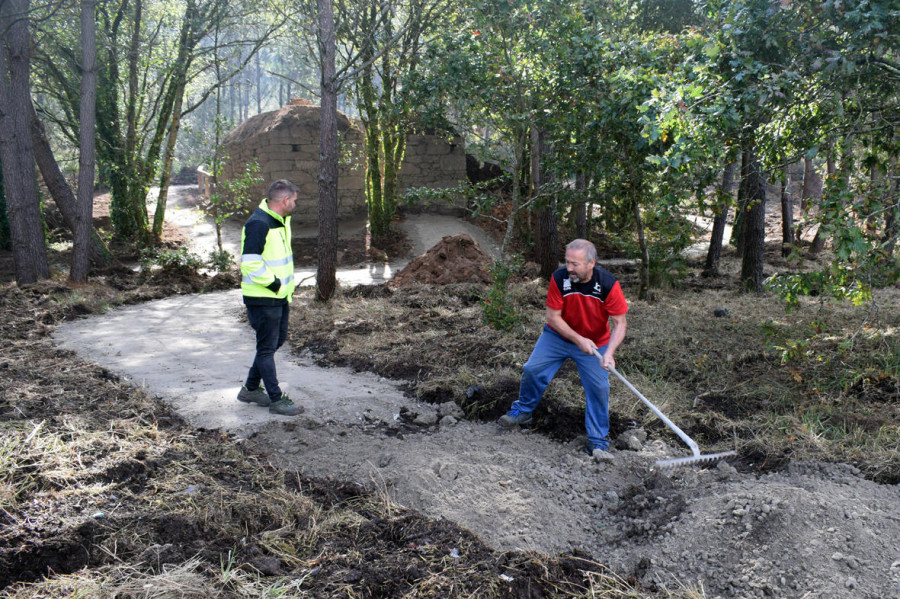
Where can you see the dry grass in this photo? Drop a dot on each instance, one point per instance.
(819, 382)
(105, 493)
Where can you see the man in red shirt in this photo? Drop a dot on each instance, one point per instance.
(582, 301)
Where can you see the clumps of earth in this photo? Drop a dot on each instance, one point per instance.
(814, 529)
(455, 259)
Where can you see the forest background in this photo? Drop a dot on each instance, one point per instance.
(621, 117)
(620, 121)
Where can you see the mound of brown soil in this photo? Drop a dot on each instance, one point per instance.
(455, 259)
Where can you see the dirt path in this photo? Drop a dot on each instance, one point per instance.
(813, 531)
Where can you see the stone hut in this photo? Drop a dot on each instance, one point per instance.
(286, 144)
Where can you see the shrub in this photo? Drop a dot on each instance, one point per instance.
(220, 260)
(499, 309)
(181, 259)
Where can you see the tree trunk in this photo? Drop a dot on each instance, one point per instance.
(159, 215)
(179, 79)
(737, 230)
(129, 209)
(581, 215)
(367, 99)
(806, 193)
(818, 242)
(644, 271)
(892, 209)
(753, 224)
(723, 203)
(515, 201)
(110, 141)
(258, 84)
(787, 215)
(871, 219)
(5, 242)
(16, 148)
(546, 234)
(326, 280)
(231, 103)
(246, 102)
(84, 210)
(59, 188)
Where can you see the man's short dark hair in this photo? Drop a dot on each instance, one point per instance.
(281, 190)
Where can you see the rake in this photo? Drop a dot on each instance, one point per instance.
(697, 458)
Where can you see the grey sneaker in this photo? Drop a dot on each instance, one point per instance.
(257, 396)
(286, 407)
(514, 418)
(601, 455)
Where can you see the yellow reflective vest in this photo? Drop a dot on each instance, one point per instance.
(267, 263)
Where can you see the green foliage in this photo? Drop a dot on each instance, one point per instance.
(499, 308)
(838, 280)
(477, 196)
(221, 260)
(785, 346)
(177, 260)
(828, 356)
(667, 235)
(860, 260)
(231, 196)
(389, 50)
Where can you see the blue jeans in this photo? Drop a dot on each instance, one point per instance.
(271, 326)
(550, 351)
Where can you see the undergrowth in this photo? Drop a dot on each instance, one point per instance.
(821, 381)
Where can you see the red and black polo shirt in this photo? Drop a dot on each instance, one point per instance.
(587, 306)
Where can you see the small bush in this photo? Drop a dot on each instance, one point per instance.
(500, 311)
(221, 260)
(181, 259)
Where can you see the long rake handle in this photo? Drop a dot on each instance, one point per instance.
(690, 442)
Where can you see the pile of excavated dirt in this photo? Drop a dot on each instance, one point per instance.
(814, 530)
(455, 259)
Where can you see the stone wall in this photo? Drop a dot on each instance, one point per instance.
(433, 161)
(286, 144)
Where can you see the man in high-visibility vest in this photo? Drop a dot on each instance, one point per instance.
(267, 284)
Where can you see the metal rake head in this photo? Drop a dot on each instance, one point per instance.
(695, 460)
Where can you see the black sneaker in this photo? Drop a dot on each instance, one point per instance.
(286, 407)
(257, 396)
(514, 418)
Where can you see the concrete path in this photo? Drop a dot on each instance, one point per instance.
(194, 351)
